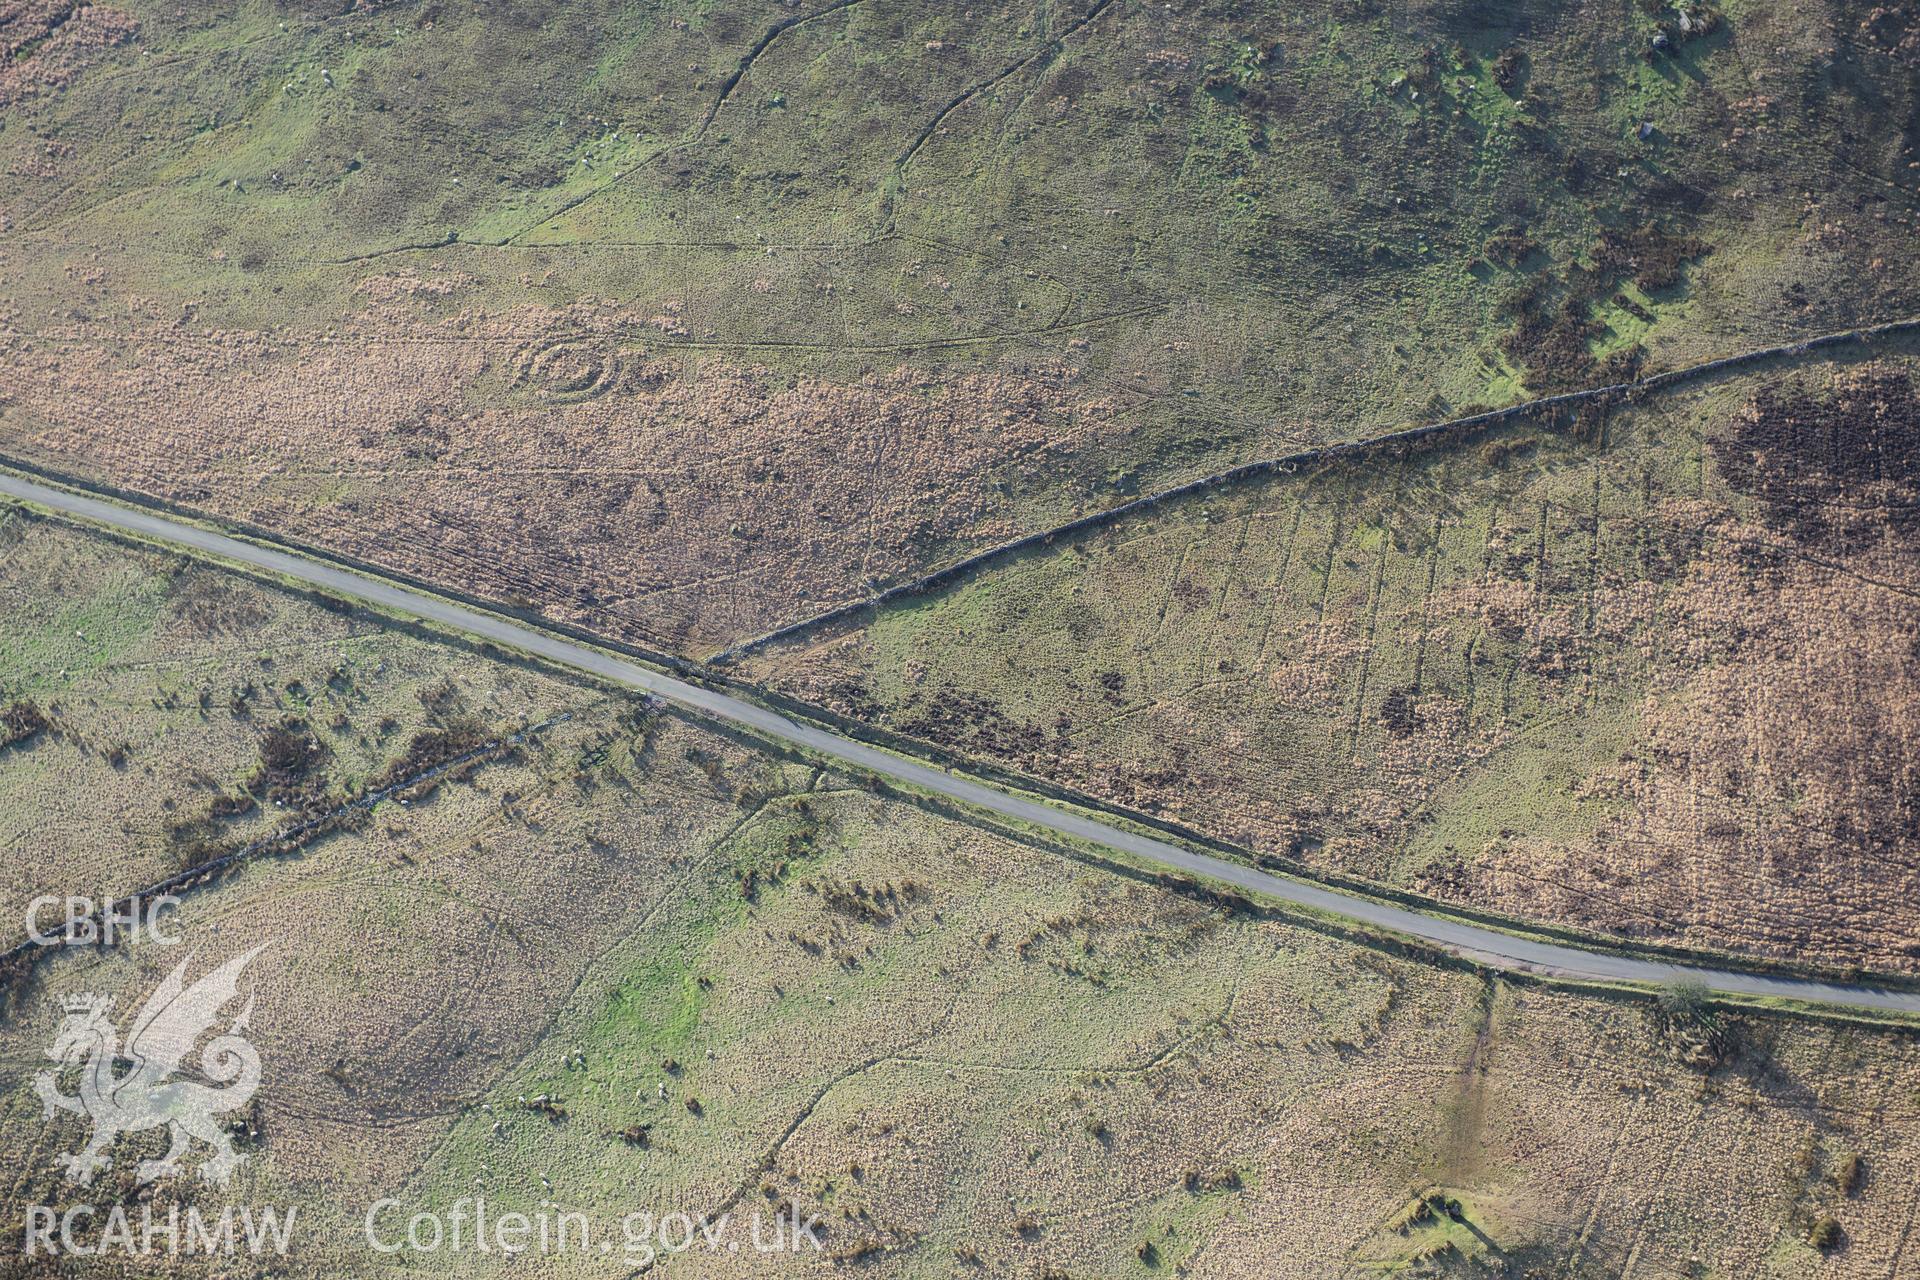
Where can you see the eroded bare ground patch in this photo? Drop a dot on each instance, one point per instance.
(1610, 674)
(549, 457)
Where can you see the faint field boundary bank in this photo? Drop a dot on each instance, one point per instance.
(891, 187)
(692, 137)
(632, 339)
(699, 132)
(897, 184)
(1547, 407)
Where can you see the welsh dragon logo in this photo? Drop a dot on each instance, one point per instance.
(148, 1095)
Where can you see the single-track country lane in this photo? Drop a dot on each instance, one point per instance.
(1475, 942)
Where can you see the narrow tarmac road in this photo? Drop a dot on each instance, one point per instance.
(1485, 945)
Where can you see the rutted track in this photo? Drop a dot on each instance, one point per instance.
(1460, 937)
(1618, 391)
